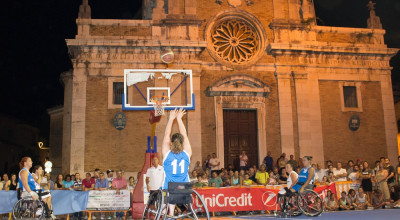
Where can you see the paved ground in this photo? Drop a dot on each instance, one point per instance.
(384, 214)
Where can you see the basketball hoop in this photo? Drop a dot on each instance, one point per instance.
(159, 104)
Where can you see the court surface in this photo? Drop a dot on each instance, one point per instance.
(385, 214)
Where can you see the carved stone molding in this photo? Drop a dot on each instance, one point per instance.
(242, 88)
(235, 38)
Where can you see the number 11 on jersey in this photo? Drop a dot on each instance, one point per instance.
(174, 165)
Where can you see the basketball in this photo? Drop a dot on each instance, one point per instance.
(167, 56)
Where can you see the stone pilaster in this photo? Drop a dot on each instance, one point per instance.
(194, 128)
(285, 112)
(309, 116)
(389, 116)
(66, 77)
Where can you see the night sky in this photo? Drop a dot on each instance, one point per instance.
(33, 52)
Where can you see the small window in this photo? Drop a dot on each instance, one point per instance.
(350, 96)
(118, 90)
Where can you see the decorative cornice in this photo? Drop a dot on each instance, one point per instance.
(239, 85)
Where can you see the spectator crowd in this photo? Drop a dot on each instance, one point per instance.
(379, 184)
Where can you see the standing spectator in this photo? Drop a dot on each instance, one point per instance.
(381, 181)
(59, 182)
(376, 169)
(262, 176)
(216, 180)
(281, 162)
(110, 177)
(268, 161)
(320, 172)
(206, 162)
(243, 161)
(340, 173)
(78, 182)
(6, 182)
(14, 182)
(88, 183)
(236, 180)
(398, 171)
(366, 182)
(214, 163)
(198, 167)
(391, 175)
(355, 175)
(349, 168)
(119, 183)
(51, 182)
(293, 162)
(68, 183)
(101, 183)
(154, 176)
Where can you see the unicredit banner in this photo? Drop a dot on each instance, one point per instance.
(246, 198)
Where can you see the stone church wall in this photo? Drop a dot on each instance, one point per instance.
(340, 143)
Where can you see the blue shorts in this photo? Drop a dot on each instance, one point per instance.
(296, 187)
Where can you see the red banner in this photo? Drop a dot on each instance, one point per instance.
(246, 198)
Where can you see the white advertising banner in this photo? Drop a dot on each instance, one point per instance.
(108, 200)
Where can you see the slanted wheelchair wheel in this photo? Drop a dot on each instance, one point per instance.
(153, 205)
(28, 209)
(195, 210)
(310, 203)
(290, 208)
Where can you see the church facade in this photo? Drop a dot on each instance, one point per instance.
(265, 78)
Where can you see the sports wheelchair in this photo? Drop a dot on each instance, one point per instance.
(180, 194)
(294, 204)
(27, 208)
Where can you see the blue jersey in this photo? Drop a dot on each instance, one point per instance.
(303, 176)
(176, 168)
(31, 181)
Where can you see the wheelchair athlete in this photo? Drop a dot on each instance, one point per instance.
(28, 183)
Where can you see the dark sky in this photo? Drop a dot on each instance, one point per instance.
(33, 52)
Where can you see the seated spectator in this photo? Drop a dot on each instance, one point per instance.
(325, 181)
(204, 178)
(88, 183)
(14, 182)
(262, 176)
(226, 182)
(199, 183)
(282, 175)
(332, 204)
(353, 198)
(197, 167)
(328, 195)
(272, 178)
(252, 174)
(344, 203)
(68, 183)
(231, 173)
(355, 174)
(110, 177)
(275, 172)
(247, 181)
(101, 183)
(293, 162)
(1, 184)
(241, 173)
(236, 180)
(78, 182)
(193, 176)
(59, 182)
(362, 200)
(395, 196)
(215, 179)
(131, 184)
(377, 199)
(6, 182)
(340, 173)
(73, 177)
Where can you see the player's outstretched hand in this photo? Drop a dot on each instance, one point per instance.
(181, 113)
(173, 114)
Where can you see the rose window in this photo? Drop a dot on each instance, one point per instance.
(234, 41)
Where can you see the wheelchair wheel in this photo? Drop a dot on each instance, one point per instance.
(28, 208)
(289, 207)
(310, 203)
(195, 210)
(154, 206)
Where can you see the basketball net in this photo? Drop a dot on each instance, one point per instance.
(159, 103)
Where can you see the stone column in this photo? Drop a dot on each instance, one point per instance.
(309, 116)
(66, 77)
(389, 116)
(194, 128)
(285, 112)
(74, 151)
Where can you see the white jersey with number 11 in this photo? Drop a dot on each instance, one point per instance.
(176, 168)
